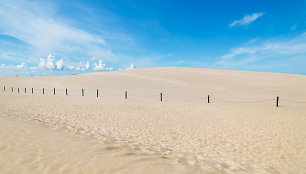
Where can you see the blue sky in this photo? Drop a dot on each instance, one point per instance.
(71, 37)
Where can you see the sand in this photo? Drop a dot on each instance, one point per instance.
(182, 134)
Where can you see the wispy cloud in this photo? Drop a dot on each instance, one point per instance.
(39, 27)
(246, 20)
(267, 51)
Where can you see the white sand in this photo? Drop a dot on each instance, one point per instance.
(190, 134)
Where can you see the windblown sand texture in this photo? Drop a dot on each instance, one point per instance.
(240, 131)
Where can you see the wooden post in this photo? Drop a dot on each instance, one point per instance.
(25, 90)
(97, 93)
(125, 94)
(161, 96)
(43, 91)
(277, 99)
(82, 92)
(32, 90)
(12, 89)
(208, 99)
(53, 91)
(4, 88)
(66, 91)
(18, 90)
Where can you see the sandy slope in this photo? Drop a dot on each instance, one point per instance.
(184, 129)
(28, 147)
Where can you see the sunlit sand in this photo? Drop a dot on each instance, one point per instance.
(240, 131)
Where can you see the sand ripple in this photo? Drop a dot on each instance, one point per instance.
(86, 135)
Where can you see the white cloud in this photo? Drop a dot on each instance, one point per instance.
(33, 68)
(47, 63)
(246, 20)
(99, 67)
(21, 66)
(82, 66)
(51, 63)
(70, 67)
(87, 65)
(132, 66)
(78, 68)
(59, 64)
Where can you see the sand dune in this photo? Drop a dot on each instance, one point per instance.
(240, 131)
